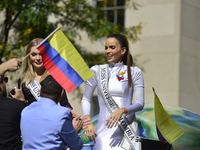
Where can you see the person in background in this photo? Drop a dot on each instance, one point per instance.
(33, 73)
(10, 111)
(124, 81)
(51, 125)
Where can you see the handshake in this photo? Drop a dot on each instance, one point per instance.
(85, 124)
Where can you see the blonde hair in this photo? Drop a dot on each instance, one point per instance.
(28, 72)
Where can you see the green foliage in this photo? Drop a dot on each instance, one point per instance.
(30, 19)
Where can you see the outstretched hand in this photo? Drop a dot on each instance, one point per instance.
(10, 65)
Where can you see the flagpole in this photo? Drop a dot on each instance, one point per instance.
(48, 36)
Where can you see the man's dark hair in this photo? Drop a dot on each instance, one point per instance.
(49, 86)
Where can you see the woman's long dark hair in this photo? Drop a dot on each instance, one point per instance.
(127, 59)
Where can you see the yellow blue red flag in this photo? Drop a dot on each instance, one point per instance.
(63, 62)
(167, 128)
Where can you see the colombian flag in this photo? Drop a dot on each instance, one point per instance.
(63, 62)
(167, 129)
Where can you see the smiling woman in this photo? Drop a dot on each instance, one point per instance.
(116, 83)
(114, 51)
(36, 61)
(33, 73)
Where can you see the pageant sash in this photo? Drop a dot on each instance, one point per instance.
(131, 141)
(35, 88)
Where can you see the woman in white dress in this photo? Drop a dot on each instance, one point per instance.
(124, 81)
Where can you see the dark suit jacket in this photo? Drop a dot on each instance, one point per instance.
(10, 114)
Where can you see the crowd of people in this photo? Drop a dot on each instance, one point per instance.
(32, 118)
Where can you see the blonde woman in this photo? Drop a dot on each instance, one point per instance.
(33, 73)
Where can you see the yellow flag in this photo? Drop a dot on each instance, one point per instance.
(63, 62)
(169, 129)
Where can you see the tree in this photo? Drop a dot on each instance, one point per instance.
(30, 19)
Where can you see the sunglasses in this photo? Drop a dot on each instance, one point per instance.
(2, 78)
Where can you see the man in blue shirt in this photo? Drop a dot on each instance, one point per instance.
(46, 125)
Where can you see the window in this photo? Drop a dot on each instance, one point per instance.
(114, 10)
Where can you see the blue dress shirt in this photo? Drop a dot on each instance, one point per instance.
(48, 126)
